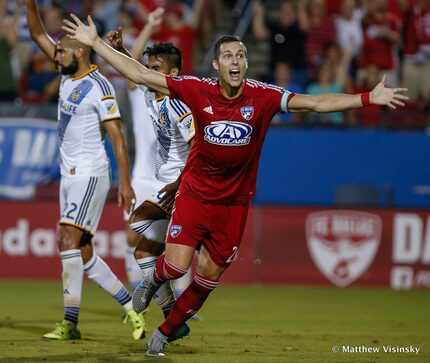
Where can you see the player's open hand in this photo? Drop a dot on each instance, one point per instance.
(126, 197)
(155, 18)
(86, 34)
(115, 38)
(168, 198)
(385, 96)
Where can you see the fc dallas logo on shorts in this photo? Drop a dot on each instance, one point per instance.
(175, 230)
(343, 243)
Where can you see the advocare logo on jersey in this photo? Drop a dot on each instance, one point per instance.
(343, 243)
(228, 133)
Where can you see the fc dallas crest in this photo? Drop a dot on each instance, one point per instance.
(343, 244)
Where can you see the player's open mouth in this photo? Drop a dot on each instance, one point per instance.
(235, 74)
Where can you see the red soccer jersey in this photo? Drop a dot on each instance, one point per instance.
(376, 50)
(417, 47)
(223, 162)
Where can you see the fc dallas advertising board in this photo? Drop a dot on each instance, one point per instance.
(293, 245)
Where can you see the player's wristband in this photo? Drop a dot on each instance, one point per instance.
(365, 99)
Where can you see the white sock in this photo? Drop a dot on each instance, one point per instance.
(98, 271)
(134, 274)
(157, 231)
(179, 285)
(140, 227)
(73, 274)
(164, 295)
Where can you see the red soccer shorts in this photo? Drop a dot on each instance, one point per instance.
(219, 228)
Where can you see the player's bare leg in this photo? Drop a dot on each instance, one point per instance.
(174, 263)
(204, 282)
(151, 222)
(134, 274)
(145, 221)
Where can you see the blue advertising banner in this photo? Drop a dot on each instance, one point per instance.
(29, 156)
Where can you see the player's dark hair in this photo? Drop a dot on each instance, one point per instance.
(225, 39)
(171, 54)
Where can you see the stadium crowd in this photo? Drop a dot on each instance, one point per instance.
(316, 46)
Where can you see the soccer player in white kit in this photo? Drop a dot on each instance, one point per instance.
(86, 102)
(156, 179)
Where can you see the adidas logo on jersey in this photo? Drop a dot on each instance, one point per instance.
(208, 110)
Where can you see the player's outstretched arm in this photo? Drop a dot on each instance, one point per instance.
(133, 70)
(155, 19)
(37, 31)
(126, 196)
(380, 95)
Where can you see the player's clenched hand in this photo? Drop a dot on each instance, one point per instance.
(167, 200)
(385, 96)
(115, 38)
(86, 34)
(126, 197)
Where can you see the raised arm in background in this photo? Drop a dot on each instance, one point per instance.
(37, 30)
(259, 27)
(153, 24)
(8, 24)
(154, 21)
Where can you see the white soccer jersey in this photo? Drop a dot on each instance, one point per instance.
(141, 101)
(174, 128)
(85, 103)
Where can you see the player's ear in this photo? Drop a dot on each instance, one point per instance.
(215, 64)
(174, 72)
(79, 52)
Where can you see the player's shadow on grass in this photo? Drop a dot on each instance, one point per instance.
(102, 357)
(104, 313)
(32, 329)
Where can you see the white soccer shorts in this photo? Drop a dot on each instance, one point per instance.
(82, 200)
(146, 190)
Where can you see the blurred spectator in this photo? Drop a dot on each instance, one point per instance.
(287, 38)
(339, 63)
(151, 5)
(348, 28)
(107, 12)
(8, 40)
(181, 32)
(399, 8)
(141, 9)
(320, 27)
(381, 34)
(369, 116)
(208, 22)
(416, 66)
(89, 7)
(333, 6)
(282, 78)
(128, 31)
(325, 84)
(23, 48)
(43, 82)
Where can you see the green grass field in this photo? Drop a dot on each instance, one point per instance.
(241, 324)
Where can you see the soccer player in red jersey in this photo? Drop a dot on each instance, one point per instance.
(232, 115)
